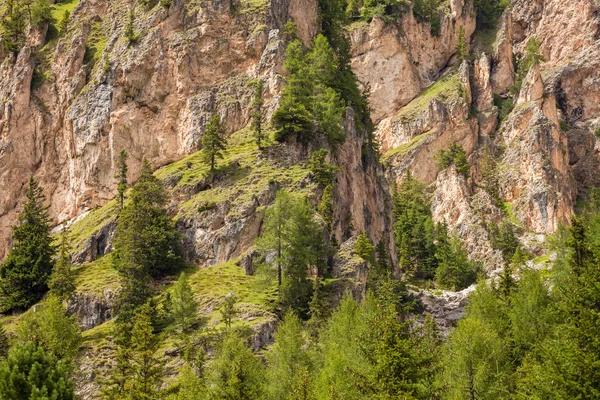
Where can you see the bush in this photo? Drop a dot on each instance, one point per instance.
(456, 156)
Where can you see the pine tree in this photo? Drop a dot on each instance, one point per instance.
(30, 373)
(323, 173)
(364, 248)
(257, 103)
(236, 373)
(183, 303)
(213, 142)
(229, 310)
(13, 25)
(191, 386)
(147, 366)
(462, 49)
(287, 358)
(130, 32)
(146, 243)
(62, 281)
(122, 176)
(41, 12)
(454, 271)
(27, 269)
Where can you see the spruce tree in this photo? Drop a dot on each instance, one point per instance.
(257, 103)
(13, 26)
(4, 343)
(146, 243)
(213, 142)
(30, 373)
(183, 305)
(462, 49)
(130, 33)
(122, 176)
(229, 310)
(62, 281)
(27, 269)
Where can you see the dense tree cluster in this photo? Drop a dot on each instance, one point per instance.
(425, 250)
(16, 16)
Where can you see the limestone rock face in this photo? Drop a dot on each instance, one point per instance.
(433, 121)
(454, 205)
(398, 60)
(152, 98)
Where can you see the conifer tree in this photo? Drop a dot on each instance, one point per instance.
(62, 281)
(462, 50)
(30, 373)
(52, 327)
(364, 248)
(41, 12)
(213, 142)
(183, 303)
(257, 103)
(13, 26)
(287, 359)
(236, 373)
(229, 310)
(63, 25)
(146, 243)
(25, 274)
(191, 386)
(147, 366)
(122, 176)
(130, 33)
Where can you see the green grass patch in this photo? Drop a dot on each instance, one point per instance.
(97, 276)
(404, 149)
(58, 10)
(212, 284)
(445, 89)
(93, 221)
(253, 6)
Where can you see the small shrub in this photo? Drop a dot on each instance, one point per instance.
(456, 156)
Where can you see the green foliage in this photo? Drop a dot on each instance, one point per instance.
(146, 243)
(27, 269)
(462, 48)
(309, 106)
(41, 12)
(530, 57)
(504, 239)
(130, 34)
(454, 270)
(229, 310)
(364, 248)
(288, 361)
(146, 364)
(597, 133)
(414, 229)
(62, 280)
(191, 386)
(488, 12)
(323, 173)
(476, 362)
(183, 305)
(122, 175)
(456, 156)
(51, 327)
(297, 242)
(257, 103)
(12, 26)
(63, 25)
(236, 374)
(385, 9)
(428, 11)
(213, 142)
(325, 207)
(29, 373)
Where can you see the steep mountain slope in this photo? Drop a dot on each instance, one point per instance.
(71, 102)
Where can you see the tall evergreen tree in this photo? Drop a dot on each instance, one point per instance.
(25, 274)
(236, 372)
(13, 25)
(147, 365)
(122, 175)
(287, 359)
(62, 281)
(213, 142)
(146, 241)
(257, 103)
(183, 304)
